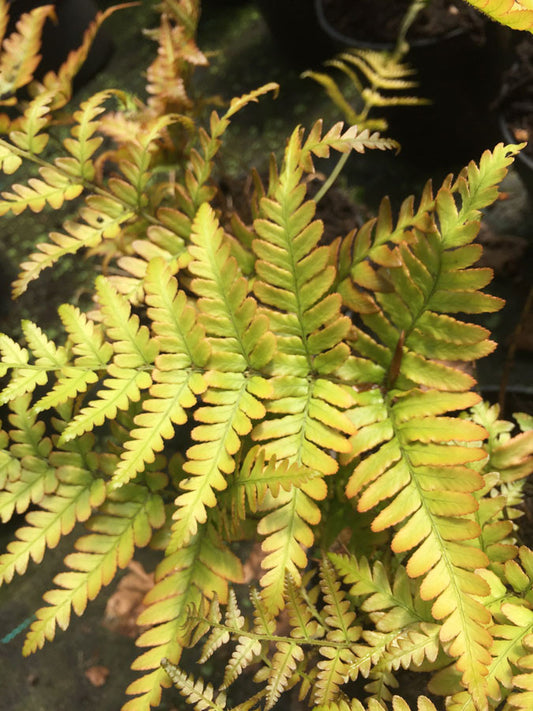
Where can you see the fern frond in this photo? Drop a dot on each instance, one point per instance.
(293, 284)
(284, 662)
(58, 84)
(27, 136)
(168, 73)
(370, 72)
(124, 521)
(288, 531)
(353, 139)
(82, 143)
(76, 493)
(52, 188)
(133, 351)
(10, 472)
(226, 311)
(517, 14)
(233, 398)
(389, 607)
(255, 480)
(246, 652)
(88, 343)
(381, 70)
(102, 218)
(25, 378)
(305, 619)
(220, 635)
(412, 648)
(435, 521)
(398, 704)
(20, 52)
(334, 665)
(28, 476)
(198, 694)
(176, 382)
(196, 571)
(136, 162)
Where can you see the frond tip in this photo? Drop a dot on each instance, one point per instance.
(201, 696)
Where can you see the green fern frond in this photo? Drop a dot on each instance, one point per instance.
(28, 476)
(354, 138)
(511, 456)
(233, 398)
(82, 144)
(219, 635)
(284, 661)
(247, 649)
(255, 479)
(102, 218)
(124, 521)
(390, 607)
(512, 630)
(433, 455)
(176, 382)
(492, 516)
(134, 354)
(288, 531)
(53, 188)
(435, 520)
(10, 472)
(198, 694)
(246, 652)
(293, 283)
(517, 15)
(25, 376)
(336, 660)
(27, 135)
(398, 704)
(135, 164)
(371, 73)
(75, 493)
(524, 681)
(381, 70)
(183, 579)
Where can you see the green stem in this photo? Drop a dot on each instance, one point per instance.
(332, 177)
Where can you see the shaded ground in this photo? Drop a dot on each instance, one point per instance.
(243, 58)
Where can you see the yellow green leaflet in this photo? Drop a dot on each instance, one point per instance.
(288, 531)
(517, 14)
(182, 581)
(124, 521)
(56, 517)
(101, 219)
(231, 403)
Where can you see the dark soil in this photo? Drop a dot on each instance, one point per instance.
(379, 20)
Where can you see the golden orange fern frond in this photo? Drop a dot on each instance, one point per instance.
(20, 56)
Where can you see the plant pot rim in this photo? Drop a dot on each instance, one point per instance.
(341, 38)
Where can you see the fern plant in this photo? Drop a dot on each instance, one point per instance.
(247, 383)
